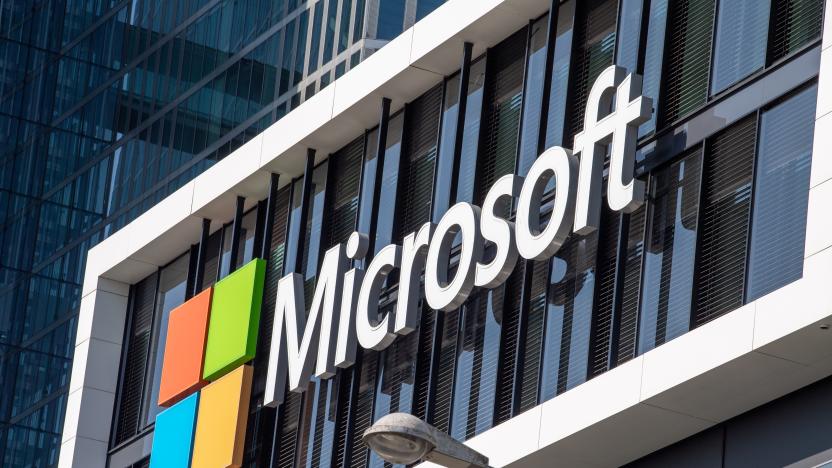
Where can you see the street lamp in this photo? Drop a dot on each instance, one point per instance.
(405, 439)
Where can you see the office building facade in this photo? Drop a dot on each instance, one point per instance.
(110, 106)
(686, 327)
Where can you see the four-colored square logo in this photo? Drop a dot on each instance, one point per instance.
(205, 383)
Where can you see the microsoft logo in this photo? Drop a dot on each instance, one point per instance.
(205, 383)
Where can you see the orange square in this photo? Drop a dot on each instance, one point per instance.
(184, 349)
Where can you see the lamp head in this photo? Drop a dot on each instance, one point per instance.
(405, 439)
(400, 438)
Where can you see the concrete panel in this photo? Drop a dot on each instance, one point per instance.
(591, 402)
(819, 222)
(698, 351)
(102, 316)
(100, 366)
(81, 452)
(821, 158)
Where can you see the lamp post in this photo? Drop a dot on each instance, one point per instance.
(405, 439)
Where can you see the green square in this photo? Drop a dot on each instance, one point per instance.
(235, 316)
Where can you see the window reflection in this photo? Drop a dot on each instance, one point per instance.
(669, 253)
(173, 280)
(741, 37)
(477, 361)
(389, 183)
(560, 75)
(781, 193)
(568, 316)
(471, 134)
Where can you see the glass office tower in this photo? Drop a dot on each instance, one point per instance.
(108, 106)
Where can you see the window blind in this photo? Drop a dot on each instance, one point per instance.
(592, 52)
(688, 57)
(420, 140)
(795, 23)
(135, 360)
(723, 225)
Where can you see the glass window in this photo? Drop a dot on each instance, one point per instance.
(138, 342)
(329, 40)
(781, 192)
(294, 225)
(741, 35)
(389, 183)
(395, 380)
(344, 189)
(390, 18)
(669, 252)
(288, 49)
(471, 133)
(173, 282)
(314, 47)
(533, 95)
(501, 118)
(656, 28)
(358, 29)
(595, 38)
(477, 363)
(212, 258)
(724, 221)
(314, 228)
(560, 75)
(362, 413)
(344, 34)
(629, 33)
(568, 316)
(795, 23)
(300, 52)
(368, 180)
(225, 254)
(418, 163)
(246, 247)
(317, 436)
(424, 7)
(445, 168)
(688, 57)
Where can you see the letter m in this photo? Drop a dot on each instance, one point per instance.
(295, 333)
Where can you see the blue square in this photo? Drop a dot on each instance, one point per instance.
(173, 436)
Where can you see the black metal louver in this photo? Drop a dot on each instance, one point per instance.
(446, 367)
(420, 140)
(135, 360)
(671, 249)
(346, 381)
(345, 173)
(593, 48)
(510, 334)
(533, 339)
(285, 452)
(631, 288)
(363, 414)
(724, 221)
(688, 57)
(261, 423)
(795, 23)
(423, 369)
(573, 293)
(502, 102)
(212, 252)
(316, 435)
(604, 303)
(274, 271)
(476, 377)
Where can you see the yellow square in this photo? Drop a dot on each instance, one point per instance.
(221, 423)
